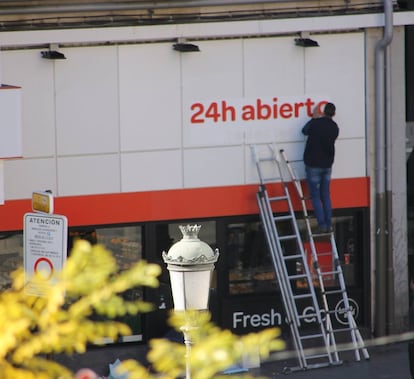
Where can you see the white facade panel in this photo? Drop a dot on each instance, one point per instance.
(26, 68)
(350, 159)
(336, 68)
(95, 174)
(23, 176)
(155, 170)
(151, 103)
(273, 67)
(217, 70)
(150, 97)
(213, 135)
(87, 111)
(211, 167)
(11, 122)
(209, 76)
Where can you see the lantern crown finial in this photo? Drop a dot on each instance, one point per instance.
(190, 231)
(190, 250)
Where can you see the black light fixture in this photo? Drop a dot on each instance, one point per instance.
(184, 47)
(52, 53)
(305, 41)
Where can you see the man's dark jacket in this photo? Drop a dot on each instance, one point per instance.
(320, 145)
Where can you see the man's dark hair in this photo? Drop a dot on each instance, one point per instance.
(329, 110)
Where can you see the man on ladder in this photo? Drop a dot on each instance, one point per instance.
(318, 157)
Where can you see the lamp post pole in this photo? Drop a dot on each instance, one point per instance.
(187, 342)
(190, 263)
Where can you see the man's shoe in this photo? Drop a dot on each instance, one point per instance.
(324, 230)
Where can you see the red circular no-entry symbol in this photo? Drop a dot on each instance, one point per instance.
(45, 266)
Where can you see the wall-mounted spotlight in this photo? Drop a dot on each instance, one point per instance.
(52, 53)
(184, 47)
(305, 41)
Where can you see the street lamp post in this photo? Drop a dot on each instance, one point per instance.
(190, 263)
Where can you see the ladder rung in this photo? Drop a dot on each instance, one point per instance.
(308, 315)
(295, 256)
(288, 237)
(316, 356)
(291, 160)
(281, 218)
(317, 233)
(310, 336)
(332, 292)
(297, 276)
(341, 312)
(324, 273)
(266, 159)
(303, 296)
(277, 198)
(341, 330)
(271, 180)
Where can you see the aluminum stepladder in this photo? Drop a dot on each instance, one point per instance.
(290, 263)
(328, 276)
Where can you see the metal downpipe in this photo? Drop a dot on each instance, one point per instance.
(382, 251)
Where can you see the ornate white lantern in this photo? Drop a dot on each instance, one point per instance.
(190, 262)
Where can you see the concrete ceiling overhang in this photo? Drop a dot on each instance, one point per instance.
(48, 14)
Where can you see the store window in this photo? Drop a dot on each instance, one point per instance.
(248, 285)
(248, 263)
(125, 243)
(249, 267)
(11, 256)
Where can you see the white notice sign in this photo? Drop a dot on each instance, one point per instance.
(45, 248)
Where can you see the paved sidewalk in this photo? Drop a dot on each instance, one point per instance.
(389, 362)
(386, 362)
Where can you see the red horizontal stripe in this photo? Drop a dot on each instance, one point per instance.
(172, 204)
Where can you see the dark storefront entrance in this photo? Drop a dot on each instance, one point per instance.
(244, 294)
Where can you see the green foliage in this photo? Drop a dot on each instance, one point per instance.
(32, 328)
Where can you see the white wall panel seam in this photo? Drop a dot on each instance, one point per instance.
(119, 118)
(182, 153)
(243, 72)
(55, 131)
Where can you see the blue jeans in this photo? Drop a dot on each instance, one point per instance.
(319, 180)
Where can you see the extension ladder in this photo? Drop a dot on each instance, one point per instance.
(312, 331)
(325, 276)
